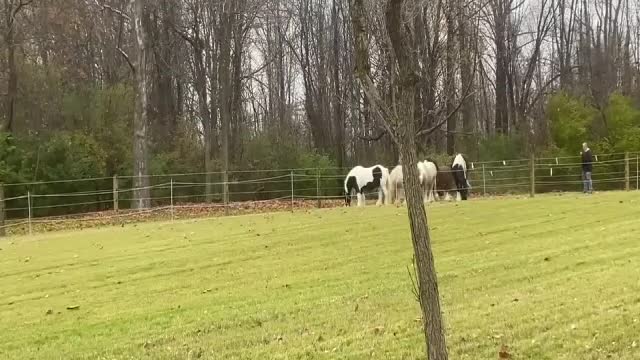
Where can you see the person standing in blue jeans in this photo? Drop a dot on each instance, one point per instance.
(587, 169)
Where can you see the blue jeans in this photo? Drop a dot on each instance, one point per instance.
(587, 183)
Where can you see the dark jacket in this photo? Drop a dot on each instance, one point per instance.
(587, 161)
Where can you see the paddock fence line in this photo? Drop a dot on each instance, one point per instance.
(37, 206)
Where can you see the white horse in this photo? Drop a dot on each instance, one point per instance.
(428, 175)
(427, 172)
(361, 179)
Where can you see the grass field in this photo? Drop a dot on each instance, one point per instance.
(555, 277)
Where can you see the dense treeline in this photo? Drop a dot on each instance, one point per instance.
(93, 88)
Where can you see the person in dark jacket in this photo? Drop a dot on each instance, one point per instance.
(587, 169)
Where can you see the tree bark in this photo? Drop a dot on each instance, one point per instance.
(11, 11)
(12, 88)
(338, 116)
(467, 51)
(2, 213)
(501, 10)
(237, 112)
(212, 147)
(225, 89)
(450, 82)
(400, 123)
(199, 43)
(142, 192)
(280, 75)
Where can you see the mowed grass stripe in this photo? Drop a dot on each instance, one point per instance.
(541, 275)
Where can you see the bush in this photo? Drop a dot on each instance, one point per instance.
(276, 161)
(571, 120)
(501, 147)
(69, 156)
(7, 160)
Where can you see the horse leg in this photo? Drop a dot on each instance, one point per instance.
(424, 187)
(425, 196)
(385, 193)
(432, 191)
(458, 197)
(379, 202)
(436, 195)
(396, 195)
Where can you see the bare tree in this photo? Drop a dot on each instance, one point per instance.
(564, 25)
(400, 123)
(10, 13)
(501, 15)
(467, 38)
(141, 121)
(450, 70)
(226, 26)
(338, 115)
(200, 35)
(2, 212)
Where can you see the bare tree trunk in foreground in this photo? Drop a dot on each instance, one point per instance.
(400, 123)
(142, 194)
(2, 229)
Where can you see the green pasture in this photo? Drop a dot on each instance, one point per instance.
(555, 277)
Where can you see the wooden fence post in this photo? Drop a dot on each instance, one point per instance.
(627, 175)
(171, 194)
(637, 172)
(532, 176)
(2, 230)
(292, 192)
(29, 209)
(116, 205)
(318, 188)
(225, 191)
(484, 182)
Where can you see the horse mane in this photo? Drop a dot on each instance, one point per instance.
(464, 157)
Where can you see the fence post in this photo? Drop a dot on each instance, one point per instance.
(627, 185)
(2, 230)
(225, 191)
(532, 176)
(171, 190)
(637, 173)
(292, 191)
(484, 182)
(29, 211)
(116, 206)
(318, 188)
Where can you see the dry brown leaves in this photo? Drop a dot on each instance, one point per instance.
(180, 211)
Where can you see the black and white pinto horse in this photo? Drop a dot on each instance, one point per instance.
(454, 178)
(361, 179)
(459, 168)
